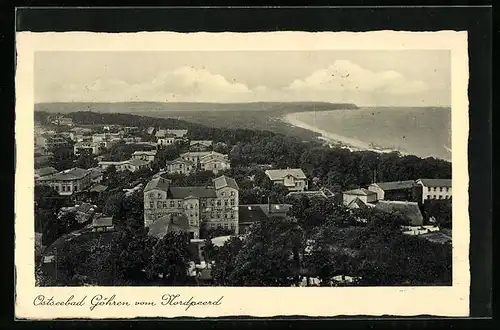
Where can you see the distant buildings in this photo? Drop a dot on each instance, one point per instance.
(396, 190)
(85, 148)
(69, 181)
(83, 212)
(433, 189)
(166, 137)
(131, 165)
(148, 156)
(293, 179)
(180, 166)
(63, 121)
(207, 160)
(253, 213)
(215, 205)
(200, 145)
(364, 195)
(100, 224)
(408, 211)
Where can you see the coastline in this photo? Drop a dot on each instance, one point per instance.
(335, 140)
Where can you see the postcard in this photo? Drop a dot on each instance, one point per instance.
(163, 174)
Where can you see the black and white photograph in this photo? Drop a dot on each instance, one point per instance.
(246, 167)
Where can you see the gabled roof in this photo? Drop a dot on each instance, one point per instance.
(224, 181)
(395, 185)
(160, 133)
(145, 152)
(195, 154)
(206, 143)
(168, 223)
(360, 192)
(85, 208)
(308, 193)
(198, 192)
(67, 175)
(137, 162)
(177, 132)
(211, 155)
(357, 203)
(250, 214)
(158, 183)
(282, 173)
(46, 171)
(179, 160)
(435, 182)
(409, 210)
(150, 130)
(95, 172)
(98, 188)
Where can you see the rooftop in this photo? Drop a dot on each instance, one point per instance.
(177, 132)
(145, 152)
(308, 193)
(394, 185)
(179, 160)
(158, 182)
(98, 188)
(359, 192)
(435, 182)
(224, 181)
(206, 143)
(137, 162)
(282, 173)
(167, 224)
(199, 192)
(45, 171)
(67, 175)
(102, 222)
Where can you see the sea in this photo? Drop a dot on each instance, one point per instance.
(424, 132)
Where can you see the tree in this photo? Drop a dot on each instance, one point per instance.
(170, 259)
(269, 256)
(224, 260)
(209, 250)
(113, 206)
(86, 161)
(62, 158)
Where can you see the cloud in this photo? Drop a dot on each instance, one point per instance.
(342, 81)
(345, 76)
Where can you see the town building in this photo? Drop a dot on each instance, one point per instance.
(293, 179)
(321, 193)
(63, 121)
(396, 190)
(69, 181)
(83, 212)
(364, 195)
(85, 148)
(433, 189)
(252, 213)
(200, 145)
(131, 165)
(150, 130)
(180, 166)
(194, 156)
(166, 141)
(49, 142)
(161, 133)
(179, 134)
(102, 224)
(148, 156)
(96, 175)
(214, 206)
(214, 162)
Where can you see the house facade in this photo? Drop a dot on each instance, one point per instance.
(85, 148)
(214, 162)
(396, 190)
(215, 205)
(293, 179)
(68, 182)
(200, 145)
(364, 195)
(435, 189)
(131, 165)
(145, 155)
(166, 141)
(180, 166)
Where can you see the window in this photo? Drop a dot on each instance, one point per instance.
(231, 201)
(428, 196)
(441, 189)
(223, 194)
(226, 203)
(191, 206)
(165, 204)
(428, 188)
(158, 205)
(172, 203)
(159, 195)
(151, 205)
(232, 216)
(434, 196)
(232, 193)
(435, 188)
(179, 204)
(440, 197)
(218, 203)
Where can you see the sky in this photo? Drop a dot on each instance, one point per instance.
(363, 77)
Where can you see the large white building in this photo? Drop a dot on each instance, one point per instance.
(435, 189)
(69, 181)
(215, 205)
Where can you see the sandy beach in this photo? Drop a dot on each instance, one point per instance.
(334, 139)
